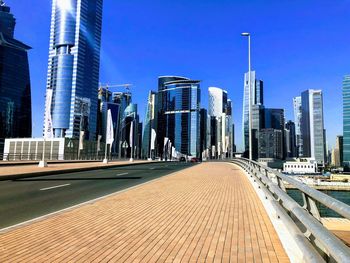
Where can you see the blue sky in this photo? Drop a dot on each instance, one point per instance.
(296, 45)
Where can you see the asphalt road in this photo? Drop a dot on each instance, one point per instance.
(28, 198)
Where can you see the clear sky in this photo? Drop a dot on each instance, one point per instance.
(296, 45)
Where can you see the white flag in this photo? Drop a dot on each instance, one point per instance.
(165, 141)
(48, 130)
(109, 130)
(81, 140)
(153, 139)
(99, 137)
(131, 139)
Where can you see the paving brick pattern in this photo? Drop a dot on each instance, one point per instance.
(207, 213)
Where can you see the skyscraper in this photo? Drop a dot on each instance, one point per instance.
(271, 136)
(178, 115)
(346, 122)
(312, 125)
(15, 94)
(290, 140)
(217, 101)
(150, 127)
(220, 107)
(257, 98)
(270, 143)
(297, 121)
(73, 70)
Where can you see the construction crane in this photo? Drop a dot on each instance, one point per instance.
(126, 86)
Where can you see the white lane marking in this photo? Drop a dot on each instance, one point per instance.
(53, 187)
(122, 174)
(36, 219)
(152, 168)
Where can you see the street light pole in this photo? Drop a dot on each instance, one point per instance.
(250, 98)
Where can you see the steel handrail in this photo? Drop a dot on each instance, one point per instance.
(337, 249)
(330, 202)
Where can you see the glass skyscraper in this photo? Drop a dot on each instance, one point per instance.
(257, 98)
(73, 70)
(297, 121)
(15, 93)
(346, 122)
(179, 114)
(312, 125)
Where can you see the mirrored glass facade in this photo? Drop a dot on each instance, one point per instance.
(346, 122)
(257, 98)
(15, 93)
(312, 125)
(73, 71)
(179, 114)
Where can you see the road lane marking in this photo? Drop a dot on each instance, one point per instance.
(70, 208)
(53, 187)
(152, 168)
(122, 174)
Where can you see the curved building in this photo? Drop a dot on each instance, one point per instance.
(15, 94)
(217, 101)
(179, 114)
(73, 71)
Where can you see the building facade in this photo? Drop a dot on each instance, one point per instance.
(178, 115)
(346, 122)
(15, 91)
(220, 108)
(290, 140)
(73, 70)
(312, 126)
(297, 122)
(257, 98)
(150, 127)
(270, 144)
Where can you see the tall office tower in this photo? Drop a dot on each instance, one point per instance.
(117, 103)
(15, 96)
(297, 121)
(217, 101)
(178, 115)
(337, 152)
(290, 140)
(346, 123)
(131, 133)
(273, 119)
(257, 98)
(312, 125)
(270, 144)
(221, 108)
(203, 131)
(339, 142)
(73, 70)
(257, 125)
(150, 127)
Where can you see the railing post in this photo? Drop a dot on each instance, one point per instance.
(311, 207)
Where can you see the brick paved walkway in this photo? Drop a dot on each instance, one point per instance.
(206, 213)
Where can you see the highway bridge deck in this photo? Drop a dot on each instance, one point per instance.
(206, 213)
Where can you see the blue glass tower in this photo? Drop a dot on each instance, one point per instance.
(346, 122)
(73, 70)
(179, 114)
(15, 97)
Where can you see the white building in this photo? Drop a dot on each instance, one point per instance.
(300, 166)
(220, 109)
(217, 101)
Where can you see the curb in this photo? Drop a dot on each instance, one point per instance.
(65, 171)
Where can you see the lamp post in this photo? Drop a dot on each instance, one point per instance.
(249, 96)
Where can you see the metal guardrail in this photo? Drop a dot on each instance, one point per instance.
(317, 243)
